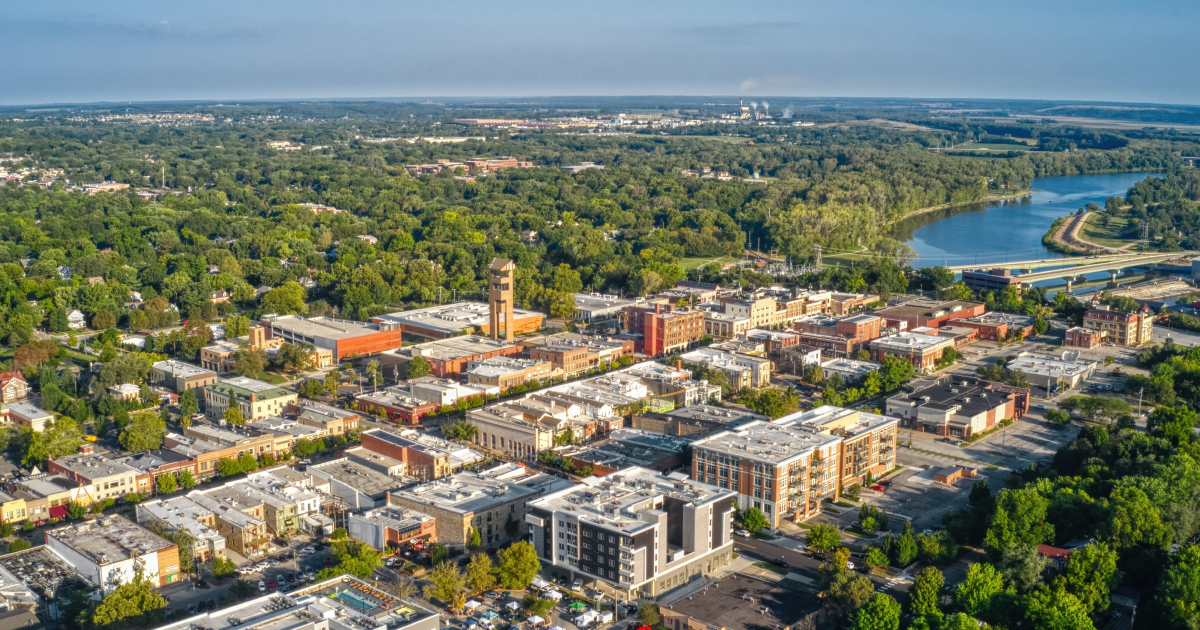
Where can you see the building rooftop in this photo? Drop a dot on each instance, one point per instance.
(228, 435)
(458, 454)
(340, 603)
(1046, 366)
(995, 318)
(732, 416)
(180, 513)
(48, 575)
(773, 443)
(449, 318)
(28, 411)
(243, 386)
(109, 540)
(181, 369)
(970, 395)
(496, 367)
(320, 412)
(46, 485)
(150, 460)
(839, 421)
(322, 327)
(225, 347)
(362, 478)
(91, 466)
(618, 501)
(464, 493)
(741, 602)
(595, 301)
(455, 348)
(769, 335)
(850, 367)
(394, 517)
(289, 426)
(911, 341)
(723, 360)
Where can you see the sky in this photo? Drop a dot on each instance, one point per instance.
(75, 51)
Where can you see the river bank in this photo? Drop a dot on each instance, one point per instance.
(949, 206)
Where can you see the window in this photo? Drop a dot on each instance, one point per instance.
(757, 493)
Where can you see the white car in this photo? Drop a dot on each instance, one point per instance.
(262, 586)
(309, 549)
(744, 533)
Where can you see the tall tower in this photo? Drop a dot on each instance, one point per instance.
(501, 276)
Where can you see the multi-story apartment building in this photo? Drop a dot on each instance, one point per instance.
(219, 357)
(1123, 329)
(838, 337)
(330, 419)
(467, 501)
(13, 387)
(787, 467)
(664, 328)
(254, 398)
(110, 550)
(957, 406)
(637, 531)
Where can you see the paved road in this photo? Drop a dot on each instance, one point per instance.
(804, 565)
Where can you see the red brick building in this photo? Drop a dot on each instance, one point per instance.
(931, 313)
(1085, 338)
(664, 327)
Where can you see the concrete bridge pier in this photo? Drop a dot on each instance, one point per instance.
(1112, 278)
(1070, 280)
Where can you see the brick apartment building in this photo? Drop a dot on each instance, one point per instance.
(839, 337)
(664, 328)
(1123, 329)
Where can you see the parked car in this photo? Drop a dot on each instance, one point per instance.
(577, 584)
(262, 586)
(291, 577)
(192, 608)
(491, 595)
(744, 533)
(310, 572)
(212, 604)
(271, 584)
(878, 488)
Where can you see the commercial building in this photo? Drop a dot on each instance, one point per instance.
(183, 514)
(391, 525)
(923, 351)
(1085, 338)
(592, 307)
(638, 532)
(110, 550)
(45, 575)
(788, 467)
(425, 456)
(448, 320)
(357, 484)
(254, 398)
(996, 326)
(741, 370)
(789, 603)
(179, 376)
(340, 603)
(397, 405)
(696, 421)
(454, 355)
(628, 448)
(571, 357)
(219, 357)
(342, 337)
(330, 419)
(466, 501)
(664, 328)
(957, 406)
(99, 477)
(26, 415)
(154, 463)
(1047, 372)
(242, 526)
(1123, 329)
(774, 342)
(925, 312)
(445, 391)
(504, 373)
(850, 370)
(995, 280)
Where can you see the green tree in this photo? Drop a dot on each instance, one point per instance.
(754, 520)
(906, 547)
(824, 537)
(847, 592)
(648, 614)
(876, 558)
(476, 539)
(1056, 610)
(103, 320)
(446, 583)
(294, 358)
(881, 612)
(250, 362)
(416, 368)
(518, 564)
(144, 432)
(480, 574)
(234, 416)
(186, 480)
(895, 372)
(1091, 574)
(1179, 593)
(135, 603)
(237, 326)
(222, 568)
(1176, 423)
(926, 593)
(439, 553)
(167, 483)
(974, 596)
(1019, 519)
(188, 405)
(1134, 520)
(19, 544)
(311, 388)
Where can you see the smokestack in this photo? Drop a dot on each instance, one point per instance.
(679, 364)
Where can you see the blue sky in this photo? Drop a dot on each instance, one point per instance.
(116, 50)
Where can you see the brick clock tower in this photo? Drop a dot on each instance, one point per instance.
(501, 277)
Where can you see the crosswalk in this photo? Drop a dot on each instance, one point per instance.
(892, 583)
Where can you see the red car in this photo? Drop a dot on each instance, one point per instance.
(271, 585)
(878, 488)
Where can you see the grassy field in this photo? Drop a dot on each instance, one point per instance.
(975, 146)
(696, 263)
(1108, 236)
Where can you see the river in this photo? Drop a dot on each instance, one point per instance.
(1008, 230)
